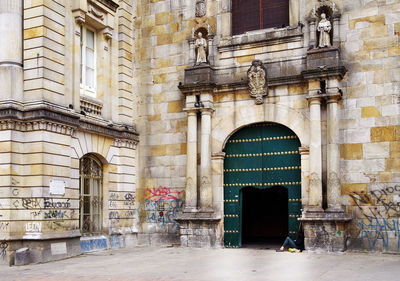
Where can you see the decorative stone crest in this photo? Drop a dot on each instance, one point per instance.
(201, 8)
(257, 79)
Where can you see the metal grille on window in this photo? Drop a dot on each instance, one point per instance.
(91, 178)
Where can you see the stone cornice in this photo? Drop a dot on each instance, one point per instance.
(260, 39)
(60, 120)
(109, 4)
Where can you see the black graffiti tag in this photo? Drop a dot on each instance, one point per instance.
(3, 249)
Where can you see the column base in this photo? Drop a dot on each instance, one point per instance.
(325, 231)
(200, 229)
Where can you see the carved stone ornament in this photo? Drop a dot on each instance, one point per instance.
(257, 79)
(201, 8)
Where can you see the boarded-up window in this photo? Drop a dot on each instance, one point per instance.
(250, 15)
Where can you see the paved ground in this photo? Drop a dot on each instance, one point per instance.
(167, 264)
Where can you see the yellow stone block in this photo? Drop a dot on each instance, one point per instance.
(181, 126)
(393, 164)
(380, 134)
(374, 31)
(314, 84)
(300, 104)
(351, 151)
(385, 177)
(183, 148)
(394, 51)
(354, 188)
(164, 39)
(175, 27)
(375, 20)
(395, 149)
(34, 32)
(175, 106)
(242, 95)
(163, 18)
(379, 43)
(159, 30)
(158, 150)
(397, 28)
(160, 78)
(245, 59)
(160, 63)
(370, 111)
(156, 117)
(179, 37)
(297, 89)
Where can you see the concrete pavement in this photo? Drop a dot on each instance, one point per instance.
(167, 264)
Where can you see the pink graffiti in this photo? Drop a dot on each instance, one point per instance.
(162, 193)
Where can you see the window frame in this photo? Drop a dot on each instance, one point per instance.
(240, 23)
(84, 88)
(93, 208)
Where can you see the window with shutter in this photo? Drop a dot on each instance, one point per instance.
(250, 15)
(88, 62)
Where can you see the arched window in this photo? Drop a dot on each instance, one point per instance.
(91, 179)
(250, 15)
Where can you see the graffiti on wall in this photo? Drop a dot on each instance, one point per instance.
(381, 216)
(3, 249)
(160, 206)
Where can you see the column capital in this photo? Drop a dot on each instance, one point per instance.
(207, 111)
(314, 100)
(218, 156)
(304, 150)
(333, 98)
(191, 111)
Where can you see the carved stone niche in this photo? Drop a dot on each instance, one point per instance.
(324, 9)
(98, 14)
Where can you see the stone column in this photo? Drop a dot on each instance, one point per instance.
(191, 163)
(11, 72)
(305, 174)
(210, 49)
(315, 193)
(313, 32)
(192, 52)
(205, 166)
(333, 154)
(336, 34)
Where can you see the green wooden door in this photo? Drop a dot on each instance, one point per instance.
(260, 156)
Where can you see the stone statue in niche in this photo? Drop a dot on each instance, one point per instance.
(201, 47)
(257, 79)
(324, 27)
(200, 8)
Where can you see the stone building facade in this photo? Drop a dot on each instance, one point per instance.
(114, 132)
(68, 140)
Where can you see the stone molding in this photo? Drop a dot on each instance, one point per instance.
(39, 125)
(254, 39)
(57, 119)
(126, 143)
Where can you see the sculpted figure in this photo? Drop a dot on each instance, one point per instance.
(201, 46)
(200, 8)
(257, 76)
(324, 27)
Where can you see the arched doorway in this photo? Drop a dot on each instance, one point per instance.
(262, 169)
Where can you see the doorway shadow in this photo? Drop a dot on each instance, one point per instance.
(264, 217)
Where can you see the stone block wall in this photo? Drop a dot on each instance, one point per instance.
(161, 55)
(47, 127)
(369, 125)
